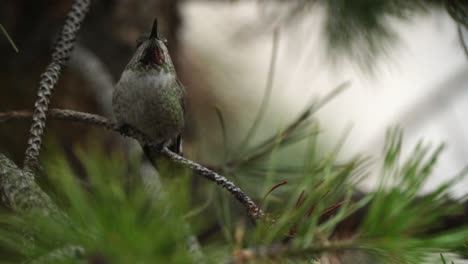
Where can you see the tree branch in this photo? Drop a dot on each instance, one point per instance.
(20, 192)
(98, 77)
(49, 78)
(253, 210)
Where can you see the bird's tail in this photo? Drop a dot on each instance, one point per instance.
(154, 157)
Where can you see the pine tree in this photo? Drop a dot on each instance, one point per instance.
(105, 215)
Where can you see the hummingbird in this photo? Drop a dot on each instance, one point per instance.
(149, 97)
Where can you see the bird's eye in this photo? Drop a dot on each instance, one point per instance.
(164, 40)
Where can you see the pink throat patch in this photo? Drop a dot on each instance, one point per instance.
(158, 56)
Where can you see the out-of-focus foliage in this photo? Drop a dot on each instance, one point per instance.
(409, 222)
(399, 225)
(360, 29)
(111, 218)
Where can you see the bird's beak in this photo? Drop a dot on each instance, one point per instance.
(154, 30)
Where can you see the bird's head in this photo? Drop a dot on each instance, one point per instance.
(152, 53)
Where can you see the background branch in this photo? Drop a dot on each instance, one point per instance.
(96, 74)
(62, 51)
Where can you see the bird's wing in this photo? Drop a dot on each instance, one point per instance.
(176, 144)
(182, 95)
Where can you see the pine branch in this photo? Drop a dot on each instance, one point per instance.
(361, 30)
(49, 78)
(91, 119)
(285, 136)
(458, 10)
(20, 192)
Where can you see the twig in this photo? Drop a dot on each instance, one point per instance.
(219, 114)
(253, 210)
(9, 38)
(8, 168)
(49, 78)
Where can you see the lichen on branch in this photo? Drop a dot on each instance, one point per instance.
(62, 50)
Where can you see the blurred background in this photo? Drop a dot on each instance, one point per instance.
(257, 62)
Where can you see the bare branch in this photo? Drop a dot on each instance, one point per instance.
(49, 78)
(252, 208)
